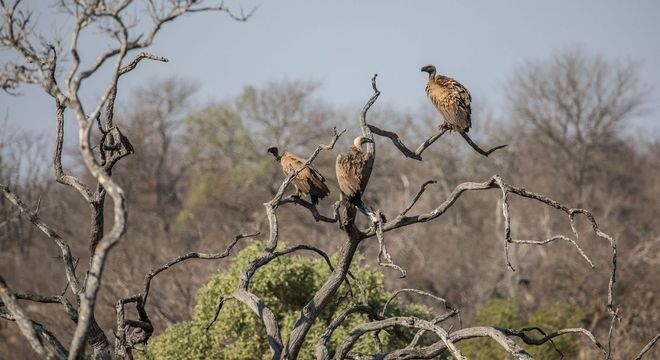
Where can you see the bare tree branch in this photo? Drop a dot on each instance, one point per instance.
(366, 130)
(62, 178)
(648, 347)
(57, 299)
(217, 311)
(122, 344)
(322, 351)
(396, 140)
(417, 196)
(67, 257)
(501, 335)
(436, 320)
(496, 182)
(141, 56)
(191, 255)
(416, 291)
(417, 323)
(26, 325)
(312, 209)
(478, 149)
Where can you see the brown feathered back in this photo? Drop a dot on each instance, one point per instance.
(452, 99)
(308, 181)
(353, 172)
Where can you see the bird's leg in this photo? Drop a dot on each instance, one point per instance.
(444, 126)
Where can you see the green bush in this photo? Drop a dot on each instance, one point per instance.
(285, 285)
(505, 313)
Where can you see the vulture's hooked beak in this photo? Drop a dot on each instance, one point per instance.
(367, 140)
(274, 151)
(428, 68)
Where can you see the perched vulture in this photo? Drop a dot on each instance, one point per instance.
(450, 98)
(308, 181)
(353, 170)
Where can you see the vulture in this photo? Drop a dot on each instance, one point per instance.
(450, 98)
(308, 181)
(353, 170)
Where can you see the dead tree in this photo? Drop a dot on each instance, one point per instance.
(41, 67)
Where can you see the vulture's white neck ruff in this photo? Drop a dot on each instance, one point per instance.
(358, 142)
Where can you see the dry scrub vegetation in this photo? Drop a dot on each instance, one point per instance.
(183, 180)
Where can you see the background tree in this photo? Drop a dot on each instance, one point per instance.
(286, 287)
(196, 183)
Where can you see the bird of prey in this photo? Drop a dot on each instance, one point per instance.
(353, 170)
(308, 181)
(451, 98)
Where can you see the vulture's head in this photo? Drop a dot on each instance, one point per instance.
(429, 69)
(276, 153)
(361, 140)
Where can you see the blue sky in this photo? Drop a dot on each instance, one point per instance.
(342, 43)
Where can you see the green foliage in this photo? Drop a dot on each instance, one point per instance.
(505, 313)
(285, 285)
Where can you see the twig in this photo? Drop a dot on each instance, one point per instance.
(141, 56)
(191, 255)
(25, 324)
(141, 298)
(417, 196)
(217, 311)
(648, 347)
(312, 209)
(478, 149)
(496, 182)
(501, 335)
(416, 291)
(322, 352)
(58, 299)
(407, 321)
(67, 258)
(436, 320)
(396, 140)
